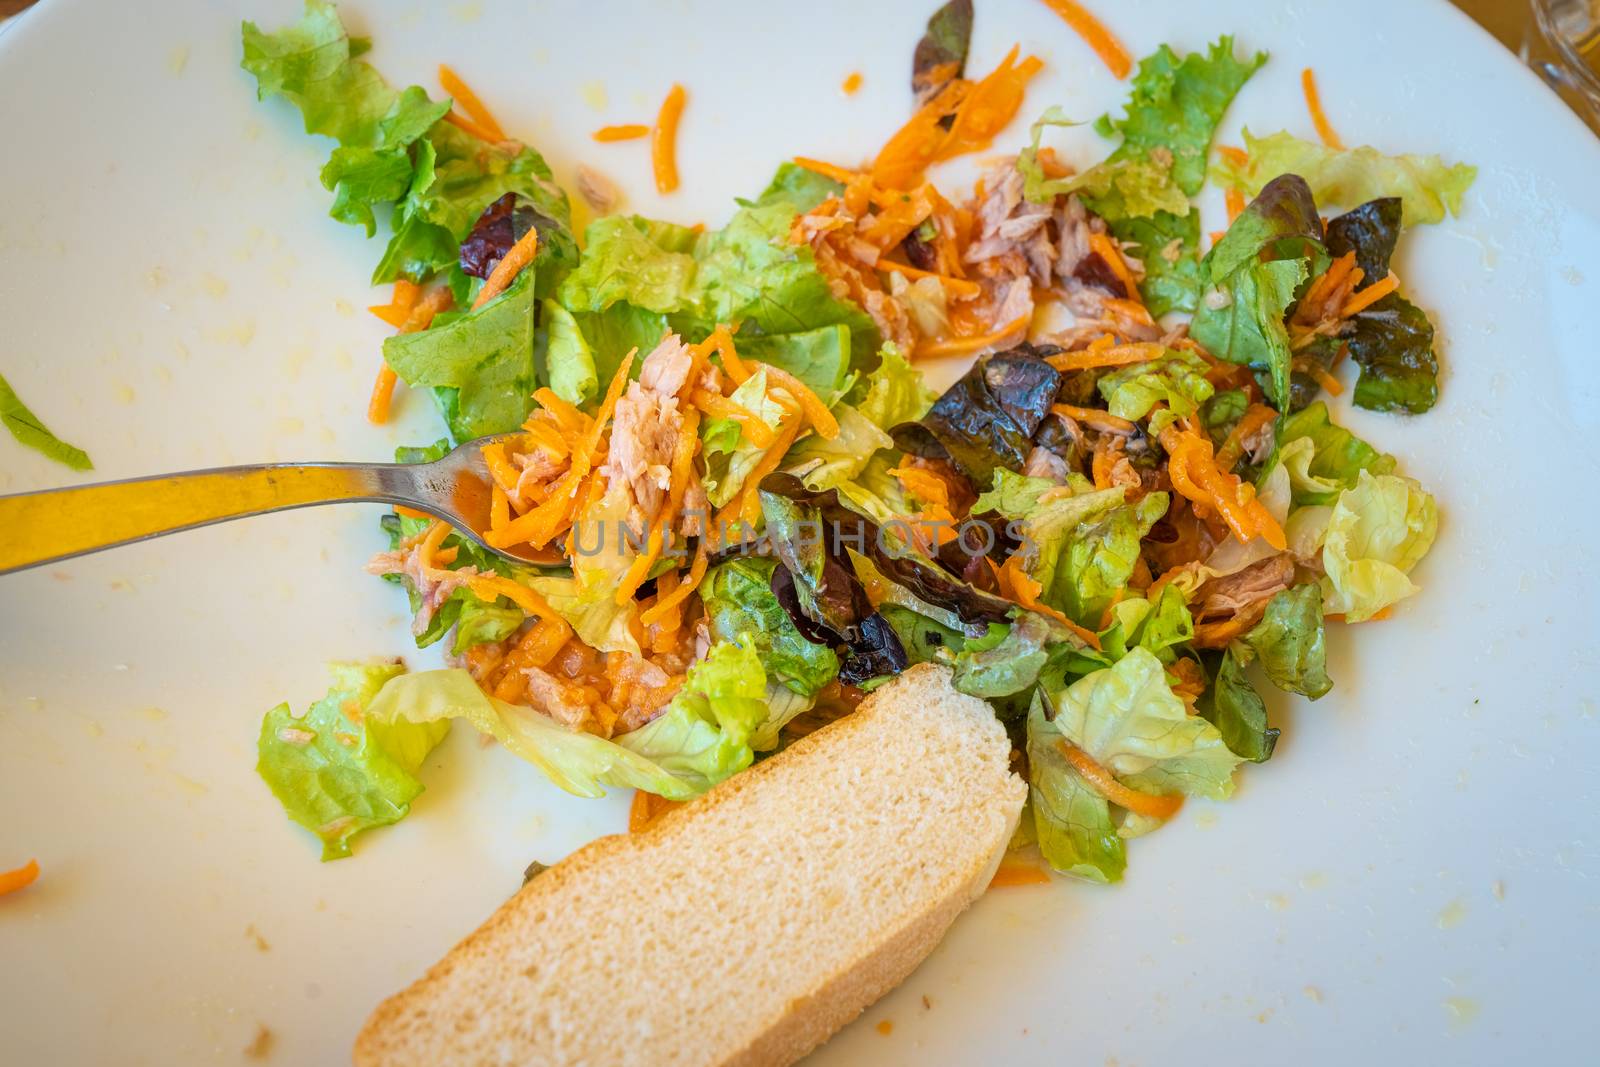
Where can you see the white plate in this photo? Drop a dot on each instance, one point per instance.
(1412, 876)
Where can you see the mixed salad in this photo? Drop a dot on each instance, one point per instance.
(746, 507)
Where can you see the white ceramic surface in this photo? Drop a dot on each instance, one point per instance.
(1412, 876)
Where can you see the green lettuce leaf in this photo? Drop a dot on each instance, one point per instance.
(704, 735)
(1083, 552)
(1072, 822)
(481, 363)
(1289, 642)
(1157, 628)
(312, 64)
(1251, 277)
(1013, 495)
(1176, 104)
(577, 762)
(1176, 379)
(990, 668)
(1129, 721)
(28, 430)
(590, 607)
(895, 392)
(729, 456)
(474, 621)
(820, 358)
(1323, 458)
(1392, 343)
(1142, 190)
(1233, 706)
(336, 771)
(568, 359)
(1428, 187)
(1377, 532)
(741, 607)
(363, 177)
(628, 259)
(824, 464)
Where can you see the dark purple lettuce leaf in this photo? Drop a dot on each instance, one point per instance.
(941, 55)
(502, 224)
(796, 516)
(988, 418)
(1392, 341)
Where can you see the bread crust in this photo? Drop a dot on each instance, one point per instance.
(811, 1014)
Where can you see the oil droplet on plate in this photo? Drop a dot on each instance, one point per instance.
(1462, 1010)
(1452, 915)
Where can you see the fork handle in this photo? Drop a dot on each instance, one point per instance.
(56, 524)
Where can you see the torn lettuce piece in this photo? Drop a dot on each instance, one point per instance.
(1289, 642)
(1072, 822)
(894, 392)
(704, 735)
(580, 763)
(1176, 379)
(729, 455)
(1232, 705)
(824, 464)
(1083, 559)
(568, 360)
(1427, 185)
(1128, 720)
(742, 607)
(29, 431)
(1376, 533)
(337, 771)
(1251, 277)
(1322, 457)
(480, 364)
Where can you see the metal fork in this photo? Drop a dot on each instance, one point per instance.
(56, 524)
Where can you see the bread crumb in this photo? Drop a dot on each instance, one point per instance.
(927, 1005)
(1499, 890)
(1313, 993)
(255, 936)
(885, 1027)
(260, 1046)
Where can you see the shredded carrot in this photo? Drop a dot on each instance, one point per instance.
(1365, 298)
(500, 469)
(1194, 473)
(609, 404)
(398, 309)
(958, 286)
(1319, 119)
(681, 470)
(746, 507)
(851, 84)
(1105, 783)
(1255, 417)
(722, 340)
(1131, 308)
(382, 395)
(566, 415)
(664, 141)
(419, 315)
(1100, 467)
(1220, 634)
(20, 878)
(465, 124)
(1234, 198)
(499, 507)
(1095, 418)
(1237, 156)
(816, 412)
(1107, 356)
(410, 513)
(1321, 376)
(662, 608)
(1017, 586)
(432, 540)
(1015, 872)
(470, 103)
(647, 808)
(1103, 247)
(963, 117)
(827, 170)
(751, 426)
(517, 257)
(488, 587)
(966, 346)
(628, 132)
(1095, 35)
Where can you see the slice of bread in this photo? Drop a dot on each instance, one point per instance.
(745, 927)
